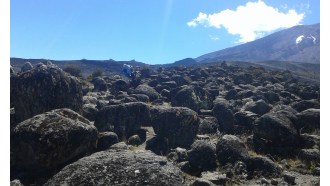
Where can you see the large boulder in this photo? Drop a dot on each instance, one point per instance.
(259, 107)
(309, 155)
(44, 88)
(306, 104)
(147, 90)
(224, 114)
(231, 149)
(245, 119)
(123, 119)
(99, 84)
(158, 145)
(27, 66)
(181, 80)
(208, 125)
(274, 132)
(50, 140)
(119, 167)
(243, 78)
(89, 111)
(106, 139)
(308, 121)
(119, 85)
(178, 124)
(263, 166)
(202, 156)
(193, 97)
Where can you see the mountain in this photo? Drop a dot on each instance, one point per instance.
(298, 44)
(184, 62)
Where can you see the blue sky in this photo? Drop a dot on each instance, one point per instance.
(150, 31)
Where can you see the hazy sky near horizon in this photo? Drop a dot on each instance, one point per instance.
(150, 31)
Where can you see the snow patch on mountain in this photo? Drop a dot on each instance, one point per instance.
(302, 37)
(299, 39)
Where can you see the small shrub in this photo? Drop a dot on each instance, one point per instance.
(73, 70)
(97, 73)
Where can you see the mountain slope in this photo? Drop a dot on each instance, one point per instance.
(299, 44)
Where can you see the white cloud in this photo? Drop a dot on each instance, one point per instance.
(214, 38)
(250, 21)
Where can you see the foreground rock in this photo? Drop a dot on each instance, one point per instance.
(119, 167)
(177, 124)
(44, 88)
(50, 140)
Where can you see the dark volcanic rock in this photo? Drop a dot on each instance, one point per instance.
(208, 125)
(223, 112)
(231, 149)
(202, 156)
(308, 121)
(99, 84)
(309, 155)
(308, 141)
(50, 140)
(134, 140)
(106, 139)
(178, 124)
(163, 78)
(306, 104)
(171, 84)
(124, 119)
(243, 78)
(119, 85)
(274, 133)
(147, 90)
(245, 119)
(44, 88)
(193, 97)
(178, 155)
(259, 107)
(89, 111)
(263, 166)
(231, 94)
(272, 97)
(158, 145)
(140, 97)
(244, 94)
(181, 80)
(119, 167)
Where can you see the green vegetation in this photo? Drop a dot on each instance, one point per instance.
(98, 72)
(73, 70)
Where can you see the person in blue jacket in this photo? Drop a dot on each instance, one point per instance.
(127, 70)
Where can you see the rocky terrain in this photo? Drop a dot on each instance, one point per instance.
(212, 124)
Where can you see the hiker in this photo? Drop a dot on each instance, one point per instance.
(127, 70)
